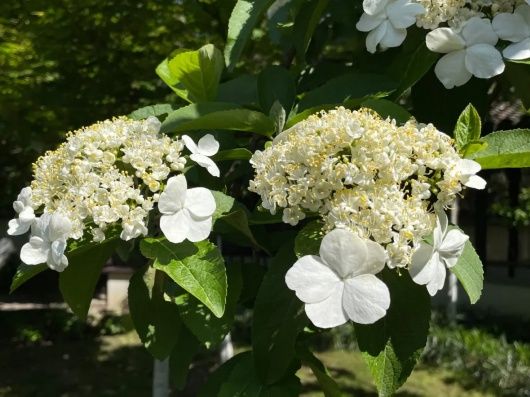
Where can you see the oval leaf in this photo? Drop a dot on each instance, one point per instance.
(469, 272)
(505, 149)
(155, 320)
(197, 267)
(78, 281)
(217, 116)
(25, 273)
(392, 346)
(468, 127)
(347, 87)
(276, 84)
(278, 318)
(193, 75)
(147, 111)
(243, 19)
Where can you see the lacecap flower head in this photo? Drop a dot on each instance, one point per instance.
(105, 178)
(366, 175)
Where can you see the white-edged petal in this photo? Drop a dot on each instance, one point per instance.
(176, 226)
(59, 227)
(372, 7)
(511, 27)
(25, 196)
(173, 197)
(441, 228)
(56, 258)
(451, 69)
(343, 251)
(207, 163)
(479, 31)
(444, 40)
(16, 227)
(468, 167)
(329, 312)
(437, 280)
(199, 228)
(200, 202)
(27, 215)
(375, 259)
(311, 279)
(484, 61)
(450, 261)
(369, 22)
(34, 252)
(365, 299)
(208, 145)
(518, 51)
(18, 206)
(393, 37)
(453, 243)
(424, 261)
(375, 36)
(402, 13)
(190, 144)
(475, 182)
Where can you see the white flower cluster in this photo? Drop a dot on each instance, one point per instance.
(466, 31)
(106, 176)
(386, 185)
(363, 173)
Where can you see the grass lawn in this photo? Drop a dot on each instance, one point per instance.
(352, 375)
(119, 366)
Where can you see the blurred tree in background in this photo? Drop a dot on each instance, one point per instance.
(69, 63)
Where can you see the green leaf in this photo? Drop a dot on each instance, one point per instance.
(306, 113)
(236, 223)
(184, 350)
(276, 83)
(197, 267)
(25, 273)
(209, 329)
(242, 90)
(392, 346)
(155, 320)
(244, 18)
(326, 382)
(467, 128)
(264, 218)
(347, 87)
(413, 61)
(193, 75)
(469, 272)
(305, 24)
(386, 108)
(231, 219)
(473, 147)
(224, 204)
(233, 154)
(243, 381)
(78, 281)
(191, 113)
(278, 318)
(307, 241)
(216, 116)
(147, 111)
(506, 149)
